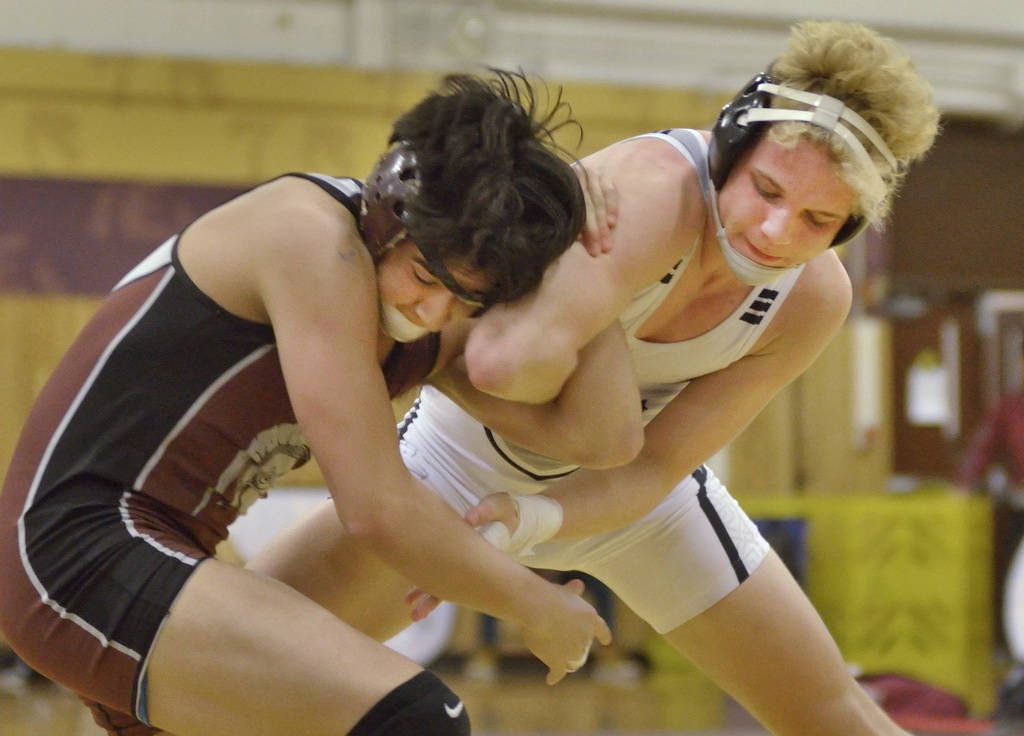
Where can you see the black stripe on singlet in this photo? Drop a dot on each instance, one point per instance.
(517, 466)
(409, 418)
(331, 189)
(701, 476)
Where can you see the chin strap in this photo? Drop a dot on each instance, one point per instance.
(396, 326)
(749, 271)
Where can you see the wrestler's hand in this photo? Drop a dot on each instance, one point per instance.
(561, 633)
(497, 507)
(514, 524)
(537, 518)
(602, 201)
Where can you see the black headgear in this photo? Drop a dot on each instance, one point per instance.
(391, 183)
(732, 137)
(394, 181)
(734, 134)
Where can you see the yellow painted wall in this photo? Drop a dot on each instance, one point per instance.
(904, 584)
(803, 442)
(83, 115)
(36, 331)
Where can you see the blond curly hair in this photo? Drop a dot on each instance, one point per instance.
(876, 79)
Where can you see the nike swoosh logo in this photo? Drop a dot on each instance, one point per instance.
(453, 712)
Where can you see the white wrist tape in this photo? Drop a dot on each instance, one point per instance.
(540, 518)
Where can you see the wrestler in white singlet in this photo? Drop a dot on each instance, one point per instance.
(698, 544)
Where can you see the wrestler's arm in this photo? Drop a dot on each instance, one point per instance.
(320, 293)
(703, 418)
(527, 350)
(594, 421)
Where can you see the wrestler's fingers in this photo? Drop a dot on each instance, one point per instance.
(496, 507)
(603, 632)
(421, 603)
(413, 595)
(575, 585)
(611, 204)
(426, 606)
(601, 200)
(554, 676)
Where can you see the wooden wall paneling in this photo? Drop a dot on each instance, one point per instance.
(831, 459)
(761, 460)
(922, 449)
(175, 120)
(956, 224)
(803, 442)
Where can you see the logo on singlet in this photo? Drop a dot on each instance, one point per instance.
(453, 712)
(760, 306)
(271, 454)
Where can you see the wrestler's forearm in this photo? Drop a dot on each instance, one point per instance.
(598, 501)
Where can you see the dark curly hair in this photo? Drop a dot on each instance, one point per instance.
(495, 194)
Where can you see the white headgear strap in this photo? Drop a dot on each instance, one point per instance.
(827, 112)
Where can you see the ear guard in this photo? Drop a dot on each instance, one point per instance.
(732, 136)
(393, 181)
(744, 119)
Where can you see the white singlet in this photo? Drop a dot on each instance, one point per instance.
(691, 550)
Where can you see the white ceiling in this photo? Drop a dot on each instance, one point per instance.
(973, 53)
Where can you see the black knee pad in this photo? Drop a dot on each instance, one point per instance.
(421, 706)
